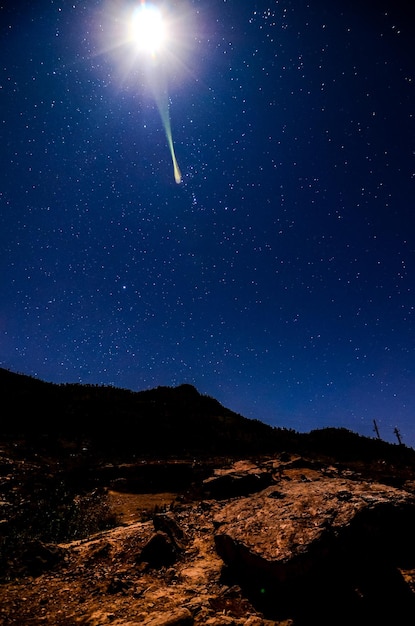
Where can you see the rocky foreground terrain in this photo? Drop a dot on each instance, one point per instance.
(164, 508)
(273, 540)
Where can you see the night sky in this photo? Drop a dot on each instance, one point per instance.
(278, 277)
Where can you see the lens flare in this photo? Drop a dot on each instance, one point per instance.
(148, 29)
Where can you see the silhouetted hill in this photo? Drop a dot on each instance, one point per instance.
(162, 421)
(165, 421)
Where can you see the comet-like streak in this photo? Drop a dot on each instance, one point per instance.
(163, 107)
(148, 30)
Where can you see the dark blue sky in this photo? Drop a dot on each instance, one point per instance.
(279, 276)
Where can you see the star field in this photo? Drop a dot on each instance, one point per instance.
(278, 277)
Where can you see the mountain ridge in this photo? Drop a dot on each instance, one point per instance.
(163, 421)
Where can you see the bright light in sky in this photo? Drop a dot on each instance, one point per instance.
(160, 34)
(148, 29)
(143, 34)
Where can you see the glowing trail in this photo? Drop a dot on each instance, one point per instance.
(163, 107)
(148, 31)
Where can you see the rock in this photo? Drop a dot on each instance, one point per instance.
(4, 526)
(118, 584)
(159, 550)
(178, 617)
(254, 620)
(227, 620)
(240, 480)
(166, 522)
(39, 557)
(223, 620)
(303, 539)
(103, 618)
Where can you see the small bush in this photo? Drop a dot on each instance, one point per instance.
(50, 512)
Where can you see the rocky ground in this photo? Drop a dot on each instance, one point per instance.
(270, 541)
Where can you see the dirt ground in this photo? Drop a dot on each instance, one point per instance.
(99, 581)
(132, 507)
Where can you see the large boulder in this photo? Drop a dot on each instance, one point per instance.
(296, 544)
